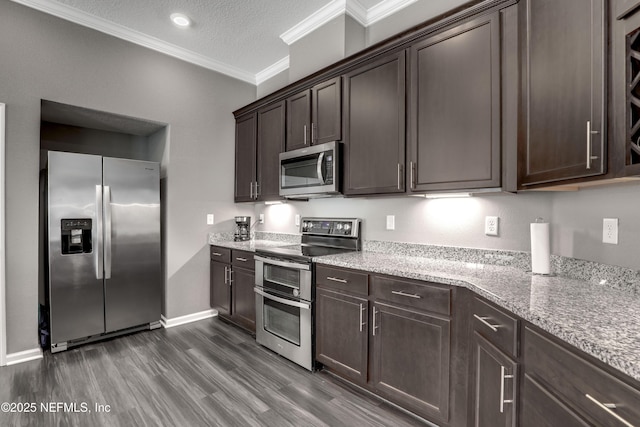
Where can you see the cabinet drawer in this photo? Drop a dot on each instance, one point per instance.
(243, 259)
(499, 327)
(341, 279)
(220, 254)
(422, 295)
(580, 383)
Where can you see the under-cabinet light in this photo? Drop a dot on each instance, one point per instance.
(274, 202)
(446, 195)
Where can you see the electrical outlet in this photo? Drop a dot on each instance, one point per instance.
(210, 219)
(491, 225)
(297, 220)
(391, 222)
(261, 219)
(610, 231)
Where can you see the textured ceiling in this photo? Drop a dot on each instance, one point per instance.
(237, 37)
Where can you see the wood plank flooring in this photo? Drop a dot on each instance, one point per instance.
(206, 373)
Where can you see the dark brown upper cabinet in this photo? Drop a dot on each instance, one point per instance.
(563, 122)
(245, 162)
(374, 127)
(455, 108)
(270, 143)
(314, 115)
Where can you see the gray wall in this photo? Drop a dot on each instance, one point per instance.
(47, 58)
(575, 218)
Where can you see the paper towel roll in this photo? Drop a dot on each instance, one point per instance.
(540, 248)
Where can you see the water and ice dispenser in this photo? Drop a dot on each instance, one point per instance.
(76, 236)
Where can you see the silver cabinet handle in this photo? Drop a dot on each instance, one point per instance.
(256, 192)
(216, 254)
(98, 246)
(503, 376)
(313, 133)
(241, 259)
(107, 232)
(494, 328)
(412, 167)
(304, 130)
(230, 276)
(590, 132)
(403, 294)
(374, 321)
(251, 190)
(399, 176)
(335, 279)
(607, 407)
(362, 323)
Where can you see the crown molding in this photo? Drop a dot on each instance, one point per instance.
(136, 37)
(314, 21)
(357, 11)
(272, 70)
(386, 8)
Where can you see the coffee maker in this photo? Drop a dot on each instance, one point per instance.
(243, 227)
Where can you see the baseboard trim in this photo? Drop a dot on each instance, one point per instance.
(23, 356)
(193, 317)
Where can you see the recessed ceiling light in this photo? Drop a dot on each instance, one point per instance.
(180, 20)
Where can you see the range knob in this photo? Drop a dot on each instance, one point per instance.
(310, 225)
(305, 225)
(347, 227)
(339, 226)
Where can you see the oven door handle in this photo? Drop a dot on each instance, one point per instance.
(288, 264)
(282, 300)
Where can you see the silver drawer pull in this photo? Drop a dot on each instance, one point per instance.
(216, 253)
(494, 328)
(335, 279)
(242, 259)
(503, 376)
(608, 408)
(403, 294)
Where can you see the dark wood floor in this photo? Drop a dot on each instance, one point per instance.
(205, 373)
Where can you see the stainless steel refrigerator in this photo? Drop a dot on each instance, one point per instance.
(104, 247)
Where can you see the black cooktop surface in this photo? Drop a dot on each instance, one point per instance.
(303, 252)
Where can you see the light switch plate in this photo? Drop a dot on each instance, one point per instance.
(210, 219)
(610, 231)
(391, 222)
(297, 219)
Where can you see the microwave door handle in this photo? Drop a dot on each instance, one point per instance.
(320, 160)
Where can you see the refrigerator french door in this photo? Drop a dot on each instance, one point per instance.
(104, 247)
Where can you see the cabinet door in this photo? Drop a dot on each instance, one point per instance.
(410, 360)
(298, 120)
(245, 170)
(220, 290)
(326, 120)
(341, 333)
(495, 387)
(374, 122)
(541, 408)
(271, 135)
(455, 108)
(244, 300)
(563, 134)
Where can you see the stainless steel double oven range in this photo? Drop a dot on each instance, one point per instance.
(285, 285)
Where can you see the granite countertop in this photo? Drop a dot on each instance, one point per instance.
(597, 319)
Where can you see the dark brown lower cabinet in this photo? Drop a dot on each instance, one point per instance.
(232, 280)
(220, 289)
(410, 359)
(341, 333)
(542, 409)
(244, 299)
(495, 385)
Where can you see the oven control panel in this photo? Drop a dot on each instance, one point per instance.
(347, 227)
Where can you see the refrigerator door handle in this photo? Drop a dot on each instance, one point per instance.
(107, 232)
(97, 253)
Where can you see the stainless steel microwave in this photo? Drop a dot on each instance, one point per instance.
(311, 171)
